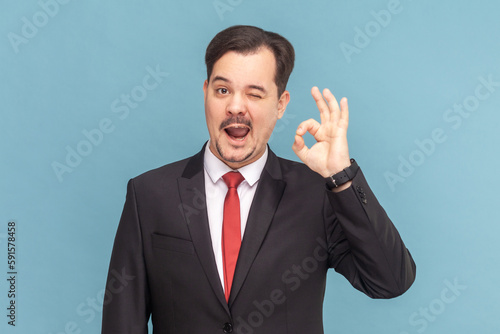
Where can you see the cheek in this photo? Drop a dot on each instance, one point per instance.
(214, 118)
(265, 126)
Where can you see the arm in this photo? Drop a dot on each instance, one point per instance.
(126, 303)
(364, 245)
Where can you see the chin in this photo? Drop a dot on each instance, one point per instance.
(232, 155)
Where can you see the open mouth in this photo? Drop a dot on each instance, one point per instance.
(237, 132)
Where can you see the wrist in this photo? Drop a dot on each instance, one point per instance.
(340, 165)
(342, 179)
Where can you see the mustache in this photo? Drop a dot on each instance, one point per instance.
(235, 120)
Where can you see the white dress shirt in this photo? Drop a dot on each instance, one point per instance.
(215, 191)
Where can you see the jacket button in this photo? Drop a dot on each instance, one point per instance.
(228, 327)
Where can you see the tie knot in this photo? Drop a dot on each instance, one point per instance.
(233, 179)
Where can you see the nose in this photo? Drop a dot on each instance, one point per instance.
(236, 105)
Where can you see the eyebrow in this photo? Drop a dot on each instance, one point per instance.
(262, 89)
(220, 78)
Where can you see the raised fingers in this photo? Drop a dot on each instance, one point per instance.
(344, 113)
(324, 110)
(332, 105)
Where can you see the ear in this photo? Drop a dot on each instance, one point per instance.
(282, 103)
(205, 88)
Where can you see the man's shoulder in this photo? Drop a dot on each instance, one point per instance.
(161, 176)
(292, 169)
(173, 169)
(288, 165)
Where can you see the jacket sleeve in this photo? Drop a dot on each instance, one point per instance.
(364, 246)
(126, 303)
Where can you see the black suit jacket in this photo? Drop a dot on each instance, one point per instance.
(163, 264)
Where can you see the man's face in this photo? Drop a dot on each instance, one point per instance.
(242, 106)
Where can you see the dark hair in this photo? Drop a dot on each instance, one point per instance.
(249, 39)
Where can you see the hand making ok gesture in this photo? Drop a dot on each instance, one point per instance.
(330, 154)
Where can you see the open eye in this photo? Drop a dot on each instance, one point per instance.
(222, 91)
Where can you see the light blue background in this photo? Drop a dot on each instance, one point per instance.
(429, 56)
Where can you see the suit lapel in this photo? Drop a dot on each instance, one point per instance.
(267, 197)
(192, 193)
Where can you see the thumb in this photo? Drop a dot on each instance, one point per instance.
(300, 148)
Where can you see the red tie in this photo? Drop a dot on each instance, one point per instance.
(231, 229)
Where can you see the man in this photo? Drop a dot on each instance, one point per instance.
(204, 249)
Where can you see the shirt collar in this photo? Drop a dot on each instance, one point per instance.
(216, 168)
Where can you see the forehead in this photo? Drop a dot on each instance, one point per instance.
(253, 68)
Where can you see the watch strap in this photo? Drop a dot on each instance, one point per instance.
(344, 176)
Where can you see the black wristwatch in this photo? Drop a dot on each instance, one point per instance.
(344, 176)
